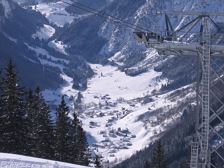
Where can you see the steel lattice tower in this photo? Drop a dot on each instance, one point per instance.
(172, 44)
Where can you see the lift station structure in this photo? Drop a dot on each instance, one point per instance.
(175, 42)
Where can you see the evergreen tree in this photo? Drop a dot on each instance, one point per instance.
(184, 164)
(79, 98)
(1, 115)
(78, 142)
(13, 128)
(158, 158)
(0, 83)
(98, 162)
(44, 127)
(62, 132)
(31, 119)
(78, 103)
(40, 132)
(73, 140)
(82, 146)
(147, 164)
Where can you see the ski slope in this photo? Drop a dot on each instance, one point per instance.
(19, 161)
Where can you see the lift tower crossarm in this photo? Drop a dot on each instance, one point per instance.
(186, 13)
(167, 46)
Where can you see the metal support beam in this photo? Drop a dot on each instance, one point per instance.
(205, 87)
(190, 28)
(218, 112)
(200, 151)
(220, 156)
(190, 13)
(188, 24)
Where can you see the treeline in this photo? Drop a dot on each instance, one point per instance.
(158, 159)
(27, 128)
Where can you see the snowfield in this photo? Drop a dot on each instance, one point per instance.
(18, 161)
(114, 105)
(55, 12)
(44, 33)
(109, 80)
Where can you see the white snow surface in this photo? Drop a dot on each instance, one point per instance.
(10, 38)
(6, 7)
(110, 80)
(19, 161)
(46, 59)
(111, 112)
(58, 46)
(44, 32)
(55, 12)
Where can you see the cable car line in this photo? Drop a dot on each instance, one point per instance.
(105, 15)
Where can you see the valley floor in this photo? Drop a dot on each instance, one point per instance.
(123, 114)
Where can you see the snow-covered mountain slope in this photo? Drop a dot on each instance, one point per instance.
(34, 46)
(16, 45)
(136, 94)
(55, 12)
(6, 8)
(11, 160)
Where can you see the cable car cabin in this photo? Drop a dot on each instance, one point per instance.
(148, 37)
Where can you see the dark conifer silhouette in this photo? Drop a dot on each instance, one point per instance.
(78, 142)
(98, 162)
(13, 127)
(62, 132)
(26, 126)
(158, 159)
(147, 164)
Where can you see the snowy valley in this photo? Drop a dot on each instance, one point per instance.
(121, 114)
(126, 96)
